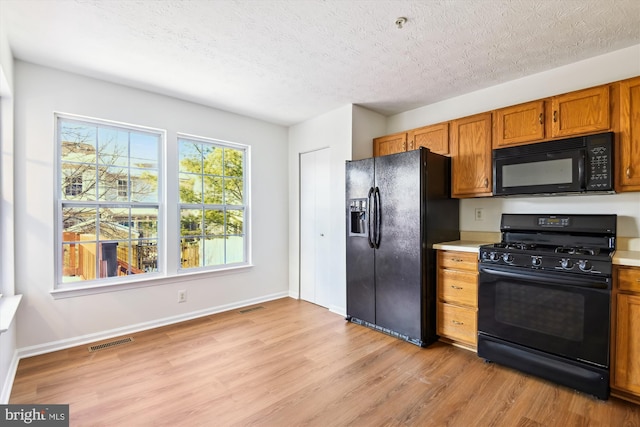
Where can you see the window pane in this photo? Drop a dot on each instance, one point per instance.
(113, 147)
(214, 251)
(235, 220)
(144, 185)
(191, 253)
(145, 223)
(146, 255)
(212, 190)
(191, 222)
(233, 162)
(78, 261)
(190, 157)
(190, 188)
(114, 224)
(214, 221)
(212, 160)
(144, 150)
(77, 142)
(108, 259)
(235, 249)
(233, 191)
(109, 184)
(78, 181)
(78, 223)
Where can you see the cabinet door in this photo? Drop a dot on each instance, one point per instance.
(584, 111)
(390, 144)
(519, 124)
(471, 156)
(433, 137)
(629, 141)
(627, 363)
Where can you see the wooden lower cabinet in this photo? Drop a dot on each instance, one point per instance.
(457, 306)
(625, 351)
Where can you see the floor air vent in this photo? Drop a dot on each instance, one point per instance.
(109, 344)
(247, 310)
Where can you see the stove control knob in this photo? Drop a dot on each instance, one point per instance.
(536, 261)
(508, 258)
(585, 265)
(493, 256)
(566, 263)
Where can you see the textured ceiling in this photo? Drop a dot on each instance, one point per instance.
(286, 61)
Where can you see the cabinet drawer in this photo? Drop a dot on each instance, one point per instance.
(629, 279)
(458, 260)
(457, 323)
(459, 287)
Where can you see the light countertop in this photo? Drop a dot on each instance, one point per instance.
(629, 258)
(460, 245)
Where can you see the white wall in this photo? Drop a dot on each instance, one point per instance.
(603, 69)
(348, 132)
(8, 342)
(44, 322)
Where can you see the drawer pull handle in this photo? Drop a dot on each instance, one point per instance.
(457, 259)
(540, 118)
(628, 172)
(555, 116)
(455, 322)
(460, 287)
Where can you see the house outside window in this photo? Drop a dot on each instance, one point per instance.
(108, 200)
(213, 203)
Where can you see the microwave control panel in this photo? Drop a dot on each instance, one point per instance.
(599, 165)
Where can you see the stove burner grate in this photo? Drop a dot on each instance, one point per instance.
(570, 250)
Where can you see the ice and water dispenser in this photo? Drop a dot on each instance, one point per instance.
(358, 217)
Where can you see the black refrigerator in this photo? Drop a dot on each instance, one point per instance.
(397, 207)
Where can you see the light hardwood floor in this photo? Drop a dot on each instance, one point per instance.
(291, 363)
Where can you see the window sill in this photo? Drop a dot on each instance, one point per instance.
(78, 291)
(8, 309)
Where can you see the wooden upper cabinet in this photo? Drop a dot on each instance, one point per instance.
(433, 137)
(583, 111)
(628, 164)
(390, 144)
(519, 124)
(471, 171)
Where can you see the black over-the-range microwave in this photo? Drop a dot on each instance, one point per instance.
(573, 165)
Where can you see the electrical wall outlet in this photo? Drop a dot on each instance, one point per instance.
(182, 296)
(479, 214)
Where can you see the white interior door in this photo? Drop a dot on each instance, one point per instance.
(314, 227)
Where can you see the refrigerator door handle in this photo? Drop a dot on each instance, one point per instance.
(378, 207)
(369, 212)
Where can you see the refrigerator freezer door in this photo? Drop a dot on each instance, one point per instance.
(360, 256)
(399, 274)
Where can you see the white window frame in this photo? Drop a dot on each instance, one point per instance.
(246, 206)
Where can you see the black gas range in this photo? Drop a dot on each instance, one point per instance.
(577, 244)
(544, 298)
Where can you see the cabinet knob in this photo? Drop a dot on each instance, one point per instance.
(629, 172)
(540, 118)
(486, 182)
(555, 116)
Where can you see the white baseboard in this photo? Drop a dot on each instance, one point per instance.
(342, 311)
(8, 381)
(99, 336)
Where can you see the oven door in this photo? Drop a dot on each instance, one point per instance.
(554, 172)
(562, 314)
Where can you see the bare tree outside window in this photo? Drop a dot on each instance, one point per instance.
(109, 200)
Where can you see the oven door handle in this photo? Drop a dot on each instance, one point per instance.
(582, 282)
